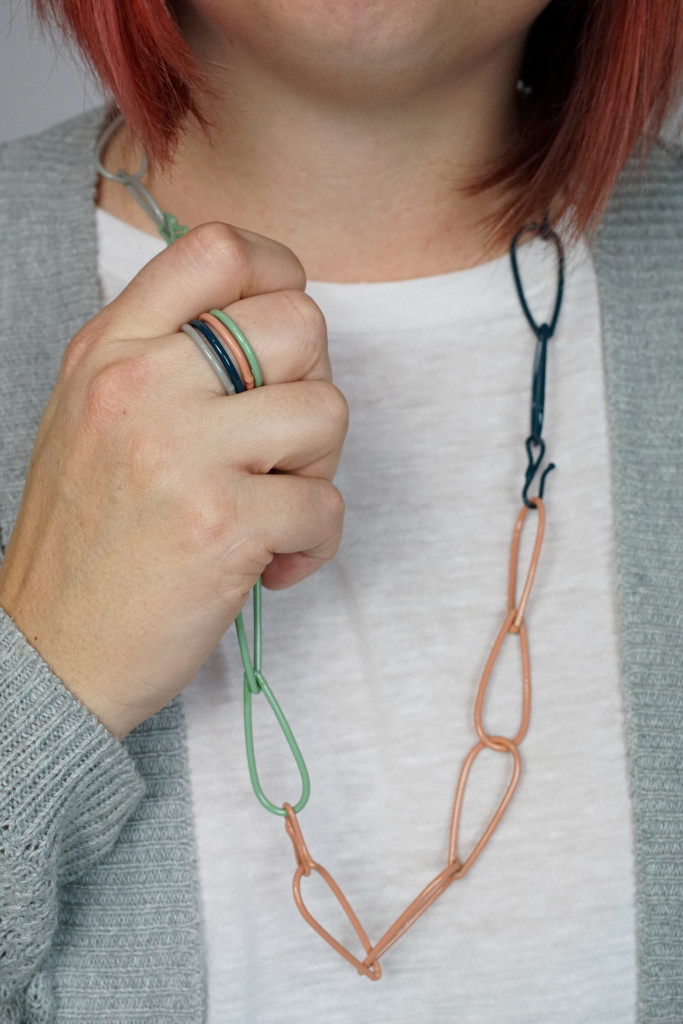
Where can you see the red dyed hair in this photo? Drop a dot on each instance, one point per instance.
(602, 75)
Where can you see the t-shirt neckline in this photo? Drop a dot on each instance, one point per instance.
(485, 292)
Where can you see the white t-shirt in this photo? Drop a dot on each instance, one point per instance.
(376, 661)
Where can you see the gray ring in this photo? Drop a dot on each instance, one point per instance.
(203, 346)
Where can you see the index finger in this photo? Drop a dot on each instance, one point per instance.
(212, 266)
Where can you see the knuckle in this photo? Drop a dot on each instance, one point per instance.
(329, 512)
(218, 243)
(80, 346)
(149, 457)
(204, 521)
(336, 406)
(312, 326)
(112, 388)
(333, 504)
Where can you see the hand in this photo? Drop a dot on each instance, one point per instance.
(153, 501)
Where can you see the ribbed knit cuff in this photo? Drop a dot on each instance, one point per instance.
(67, 785)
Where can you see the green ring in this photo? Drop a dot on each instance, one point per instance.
(243, 344)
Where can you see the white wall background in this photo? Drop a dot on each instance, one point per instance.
(39, 84)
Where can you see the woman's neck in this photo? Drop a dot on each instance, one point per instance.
(360, 191)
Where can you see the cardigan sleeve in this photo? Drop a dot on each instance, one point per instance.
(67, 787)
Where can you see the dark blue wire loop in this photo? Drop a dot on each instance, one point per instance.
(544, 333)
(218, 348)
(532, 469)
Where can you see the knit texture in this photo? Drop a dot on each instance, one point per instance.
(99, 911)
(91, 928)
(67, 792)
(639, 262)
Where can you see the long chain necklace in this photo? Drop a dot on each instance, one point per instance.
(457, 865)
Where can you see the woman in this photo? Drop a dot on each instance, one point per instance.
(352, 176)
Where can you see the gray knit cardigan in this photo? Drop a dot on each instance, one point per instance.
(99, 897)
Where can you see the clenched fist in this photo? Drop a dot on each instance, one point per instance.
(153, 501)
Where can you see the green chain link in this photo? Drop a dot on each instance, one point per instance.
(170, 230)
(254, 681)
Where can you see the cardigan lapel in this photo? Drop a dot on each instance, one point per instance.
(48, 188)
(638, 257)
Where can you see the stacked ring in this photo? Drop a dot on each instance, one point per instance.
(225, 359)
(215, 363)
(232, 346)
(243, 344)
(227, 350)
